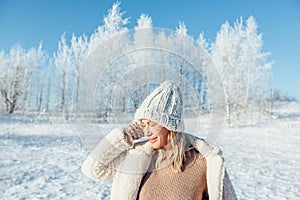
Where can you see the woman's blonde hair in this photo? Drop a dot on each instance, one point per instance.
(174, 154)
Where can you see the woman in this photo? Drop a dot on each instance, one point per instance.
(169, 165)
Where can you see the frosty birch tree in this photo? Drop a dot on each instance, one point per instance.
(185, 46)
(180, 41)
(12, 91)
(165, 42)
(107, 42)
(238, 55)
(63, 63)
(257, 66)
(143, 57)
(79, 50)
(36, 58)
(49, 83)
(17, 69)
(199, 82)
(113, 23)
(222, 52)
(4, 79)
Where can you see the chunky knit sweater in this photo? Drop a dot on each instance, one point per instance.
(165, 183)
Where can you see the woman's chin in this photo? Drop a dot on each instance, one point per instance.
(155, 146)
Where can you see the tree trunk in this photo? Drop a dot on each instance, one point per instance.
(13, 103)
(77, 89)
(228, 112)
(180, 74)
(63, 92)
(48, 89)
(40, 98)
(25, 97)
(37, 91)
(5, 99)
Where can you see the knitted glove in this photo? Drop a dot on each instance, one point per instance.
(133, 131)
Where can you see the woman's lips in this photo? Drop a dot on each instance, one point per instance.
(152, 140)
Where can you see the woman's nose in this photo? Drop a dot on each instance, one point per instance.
(147, 131)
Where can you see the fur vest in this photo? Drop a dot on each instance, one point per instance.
(113, 159)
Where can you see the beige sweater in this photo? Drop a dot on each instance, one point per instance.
(168, 184)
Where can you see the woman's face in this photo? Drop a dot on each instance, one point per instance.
(157, 134)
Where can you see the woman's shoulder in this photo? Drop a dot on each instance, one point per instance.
(201, 145)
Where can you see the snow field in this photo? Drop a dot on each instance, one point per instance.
(42, 161)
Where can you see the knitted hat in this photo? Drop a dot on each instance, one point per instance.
(163, 106)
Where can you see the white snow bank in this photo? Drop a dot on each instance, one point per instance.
(42, 161)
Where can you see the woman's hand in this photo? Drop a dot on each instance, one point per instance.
(133, 131)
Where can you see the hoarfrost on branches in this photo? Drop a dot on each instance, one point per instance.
(90, 69)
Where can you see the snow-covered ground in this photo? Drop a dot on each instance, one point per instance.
(42, 161)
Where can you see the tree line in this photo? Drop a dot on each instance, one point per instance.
(33, 81)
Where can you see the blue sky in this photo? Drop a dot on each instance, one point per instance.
(29, 22)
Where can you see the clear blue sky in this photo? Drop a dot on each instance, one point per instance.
(30, 21)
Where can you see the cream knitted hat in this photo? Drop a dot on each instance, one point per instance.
(163, 106)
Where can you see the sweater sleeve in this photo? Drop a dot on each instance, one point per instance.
(105, 158)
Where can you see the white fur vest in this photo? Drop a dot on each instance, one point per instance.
(113, 159)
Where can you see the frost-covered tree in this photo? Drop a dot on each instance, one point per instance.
(223, 54)
(113, 23)
(143, 35)
(181, 43)
(79, 50)
(105, 45)
(4, 79)
(200, 82)
(142, 58)
(37, 58)
(255, 62)
(63, 63)
(237, 52)
(16, 81)
(164, 42)
(188, 62)
(49, 79)
(16, 74)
